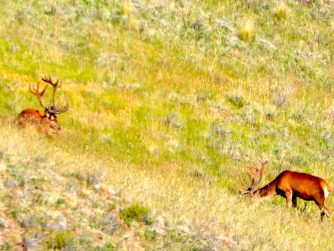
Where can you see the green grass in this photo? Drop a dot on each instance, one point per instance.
(195, 89)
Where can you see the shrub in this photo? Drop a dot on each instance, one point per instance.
(62, 239)
(150, 235)
(136, 212)
(236, 99)
(107, 247)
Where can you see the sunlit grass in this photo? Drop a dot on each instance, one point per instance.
(180, 198)
(180, 98)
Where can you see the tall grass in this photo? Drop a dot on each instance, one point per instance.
(174, 96)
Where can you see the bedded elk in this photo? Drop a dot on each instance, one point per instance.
(46, 121)
(290, 185)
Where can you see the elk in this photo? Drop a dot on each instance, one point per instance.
(290, 185)
(46, 121)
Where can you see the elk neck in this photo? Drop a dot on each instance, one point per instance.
(267, 190)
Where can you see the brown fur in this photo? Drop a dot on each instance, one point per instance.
(45, 123)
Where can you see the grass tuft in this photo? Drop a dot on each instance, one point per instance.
(282, 11)
(247, 30)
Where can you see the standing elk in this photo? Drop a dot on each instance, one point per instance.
(46, 121)
(290, 185)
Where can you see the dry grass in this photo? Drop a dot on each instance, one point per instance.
(255, 225)
(180, 97)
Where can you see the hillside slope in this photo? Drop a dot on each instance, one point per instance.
(170, 99)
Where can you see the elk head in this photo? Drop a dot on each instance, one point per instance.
(255, 173)
(51, 110)
(45, 121)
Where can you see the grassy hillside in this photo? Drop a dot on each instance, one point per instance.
(169, 100)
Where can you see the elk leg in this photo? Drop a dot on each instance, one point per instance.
(294, 201)
(320, 201)
(288, 196)
(325, 211)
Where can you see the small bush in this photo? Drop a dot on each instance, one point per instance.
(150, 235)
(176, 236)
(136, 212)
(60, 240)
(236, 100)
(60, 202)
(107, 247)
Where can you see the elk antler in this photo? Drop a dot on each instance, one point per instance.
(53, 109)
(39, 94)
(255, 173)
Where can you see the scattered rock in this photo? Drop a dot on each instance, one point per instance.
(62, 215)
(109, 223)
(58, 224)
(173, 120)
(184, 228)
(224, 24)
(30, 222)
(33, 241)
(3, 223)
(233, 41)
(160, 227)
(3, 167)
(134, 86)
(226, 241)
(266, 44)
(127, 235)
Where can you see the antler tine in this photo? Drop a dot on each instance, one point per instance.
(260, 172)
(55, 110)
(55, 85)
(263, 162)
(49, 81)
(252, 173)
(241, 180)
(38, 94)
(248, 190)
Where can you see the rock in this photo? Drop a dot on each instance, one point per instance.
(184, 228)
(160, 221)
(30, 222)
(266, 44)
(224, 24)
(109, 223)
(173, 120)
(11, 184)
(233, 41)
(134, 86)
(173, 145)
(112, 191)
(3, 167)
(97, 187)
(127, 236)
(109, 219)
(3, 223)
(32, 242)
(160, 227)
(60, 223)
(225, 241)
(93, 179)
